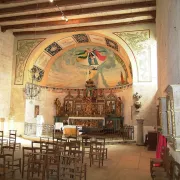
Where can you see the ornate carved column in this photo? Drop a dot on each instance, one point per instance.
(163, 115)
(173, 105)
(140, 139)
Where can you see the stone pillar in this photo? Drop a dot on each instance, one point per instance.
(140, 139)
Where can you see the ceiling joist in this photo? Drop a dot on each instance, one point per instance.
(84, 28)
(47, 5)
(40, 16)
(79, 21)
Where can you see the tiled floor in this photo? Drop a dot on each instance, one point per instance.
(125, 162)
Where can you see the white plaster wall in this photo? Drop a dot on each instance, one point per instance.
(6, 60)
(168, 46)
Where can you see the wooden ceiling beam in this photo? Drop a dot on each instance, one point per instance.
(79, 21)
(13, 1)
(79, 11)
(84, 28)
(46, 5)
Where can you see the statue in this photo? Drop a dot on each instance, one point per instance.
(110, 107)
(58, 106)
(68, 107)
(90, 86)
(119, 107)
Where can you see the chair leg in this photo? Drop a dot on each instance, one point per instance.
(85, 173)
(23, 169)
(20, 165)
(90, 159)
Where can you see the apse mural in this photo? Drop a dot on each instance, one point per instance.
(75, 66)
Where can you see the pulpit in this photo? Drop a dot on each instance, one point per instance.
(39, 123)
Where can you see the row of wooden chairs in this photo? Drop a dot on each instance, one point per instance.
(165, 168)
(11, 141)
(47, 157)
(84, 143)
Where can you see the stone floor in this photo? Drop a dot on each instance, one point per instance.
(126, 161)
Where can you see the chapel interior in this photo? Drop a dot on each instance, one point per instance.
(90, 89)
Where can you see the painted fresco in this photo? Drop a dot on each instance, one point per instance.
(75, 66)
(136, 40)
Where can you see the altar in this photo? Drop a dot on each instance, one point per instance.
(95, 122)
(90, 109)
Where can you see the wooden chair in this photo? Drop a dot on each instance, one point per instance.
(78, 154)
(86, 141)
(80, 167)
(4, 171)
(76, 145)
(12, 139)
(36, 167)
(96, 153)
(53, 165)
(68, 167)
(103, 141)
(3, 142)
(27, 152)
(158, 164)
(12, 161)
(164, 171)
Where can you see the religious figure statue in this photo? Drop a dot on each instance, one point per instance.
(68, 107)
(58, 106)
(119, 107)
(110, 107)
(90, 86)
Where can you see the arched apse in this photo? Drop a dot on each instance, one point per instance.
(111, 65)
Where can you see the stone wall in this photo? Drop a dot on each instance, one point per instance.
(6, 60)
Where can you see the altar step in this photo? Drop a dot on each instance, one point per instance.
(109, 140)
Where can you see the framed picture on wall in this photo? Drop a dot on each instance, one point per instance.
(36, 110)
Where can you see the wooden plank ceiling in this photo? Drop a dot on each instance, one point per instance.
(26, 17)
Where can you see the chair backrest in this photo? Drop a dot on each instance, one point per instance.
(35, 144)
(76, 144)
(102, 140)
(68, 167)
(39, 171)
(78, 154)
(12, 137)
(45, 139)
(86, 140)
(61, 140)
(96, 147)
(1, 140)
(70, 138)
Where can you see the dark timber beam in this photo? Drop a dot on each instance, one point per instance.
(13, 1)
(79, 21)
(84, 28)
(77, 11)
(46, 5)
